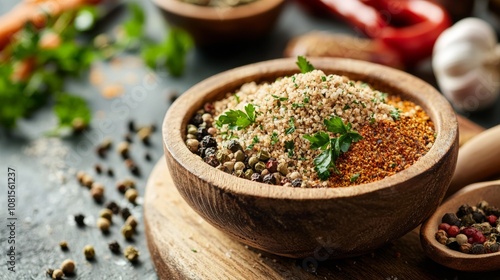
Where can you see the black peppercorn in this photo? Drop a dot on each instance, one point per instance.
(269, 179)
(234, 146)
(212, 160)
(131, 126)
(197, 119)
(477, 249)
(210, 152)
(451, 219)
(114, 247)
(464, 210)
(297, 183)
(125, 212)
(467, 220)
(147, 157)
(111, 173)
(478, 217)
(113, 207)
(208, 141)
(256, 177)
(49, 272)
(453, 244)
(98, 168)
(80, 220)
(201, 132)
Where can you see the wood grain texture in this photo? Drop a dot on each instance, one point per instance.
(295, 222)
(478, 160)
(472, 194)
(212, 26)
(173, 230)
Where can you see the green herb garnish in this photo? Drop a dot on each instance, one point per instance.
(354, 177)
(274, 138)
(255, 140)
(289, 146)
(304, 65)
(395, 114)
(331, 147)
(290, 129)
(237, 119)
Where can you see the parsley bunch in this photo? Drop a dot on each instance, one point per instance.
(331, 147)
(237, 119)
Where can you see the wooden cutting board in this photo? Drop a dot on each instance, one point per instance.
(184, 246)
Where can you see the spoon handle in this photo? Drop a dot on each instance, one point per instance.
(478, 159)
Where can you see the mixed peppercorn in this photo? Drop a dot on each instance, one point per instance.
(472, 229)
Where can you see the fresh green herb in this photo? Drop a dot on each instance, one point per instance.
(354, 177)
(70, 109)
(395, 114)
(304, 65)
(279, 98)
(290, 129)
(346, 107)
(323, 78)
(289, 146)
(331, 147)
(237, 119)
(306, 99)
(274, 138)
(194, 250)
(297, 105)
(237, 97)
(171, 53)
(255, 140)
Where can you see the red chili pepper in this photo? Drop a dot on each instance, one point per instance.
(409, 27)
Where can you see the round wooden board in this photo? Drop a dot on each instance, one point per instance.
(184, 246)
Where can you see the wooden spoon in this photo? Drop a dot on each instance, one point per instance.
(478, 160)
(472, 194)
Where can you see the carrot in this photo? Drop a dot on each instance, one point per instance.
(34, 11)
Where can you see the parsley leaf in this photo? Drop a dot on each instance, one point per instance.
(69, 108)
(395, 114)
(304, 65)
(289, 146)
(274, 138)
(237, 119)
(291, 129)
(331, 147)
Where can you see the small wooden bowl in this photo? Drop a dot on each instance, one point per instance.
(331, 222)
(211, 26)
(472, 194)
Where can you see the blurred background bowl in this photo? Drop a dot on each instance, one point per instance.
(303, 222)
(211, 26)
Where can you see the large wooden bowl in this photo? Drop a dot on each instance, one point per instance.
(323, 222)
(211, 26)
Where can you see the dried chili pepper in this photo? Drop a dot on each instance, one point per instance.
(409, 27)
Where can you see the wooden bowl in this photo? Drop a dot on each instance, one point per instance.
(472, 194)
(296, 222)
(211, 26)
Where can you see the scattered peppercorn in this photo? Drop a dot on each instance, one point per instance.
(132, 167)
(147, 157)
(98, 168)
(125, 212)
(131, 253)
(103, 224)
(115, 209)
(64, 245)
(123, 149)
(68, 266)
(114, 247)
(111, 173)
(57, 274)
(88, 252)
(49, 272)
(106, 214)
(80, 220)
(131, 195)
(127, 231)
(132, 221)
(97, 192)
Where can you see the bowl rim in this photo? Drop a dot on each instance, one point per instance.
(438, 108)
(217, 14)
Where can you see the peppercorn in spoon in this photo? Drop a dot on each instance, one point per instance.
(483, 257)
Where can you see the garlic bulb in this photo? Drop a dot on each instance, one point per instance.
(465, 58)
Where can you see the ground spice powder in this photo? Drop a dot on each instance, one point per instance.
(395, 132)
